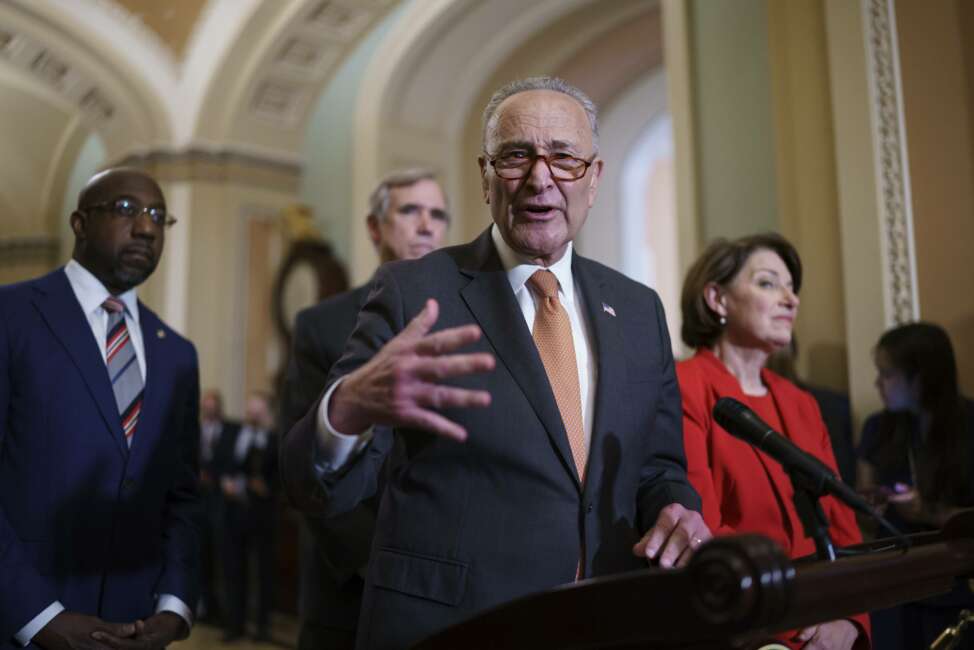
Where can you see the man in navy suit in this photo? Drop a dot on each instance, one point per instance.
(99, 440)
(551, 449)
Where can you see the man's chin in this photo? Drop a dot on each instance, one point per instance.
(538, 242)
(416, 252)
(132, 276)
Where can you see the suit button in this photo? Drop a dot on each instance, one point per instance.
(588, 507)
(128, 485)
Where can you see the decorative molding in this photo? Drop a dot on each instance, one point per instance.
(55, 71)
(196, 164)
(341, 20)
(893, 176)
(14, 250)
(279, 101)
(112, 12)
(305, 54)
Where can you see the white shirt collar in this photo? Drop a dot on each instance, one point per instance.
(519, 270)
(91, 293)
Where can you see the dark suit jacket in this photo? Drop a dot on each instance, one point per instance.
(463, 527)
(255, 510)
(342, 542)
(837, 414)
(85, 519)
(222, 458)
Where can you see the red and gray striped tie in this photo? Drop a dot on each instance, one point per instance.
(123, 367)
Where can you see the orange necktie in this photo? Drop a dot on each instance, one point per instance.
(553, 335)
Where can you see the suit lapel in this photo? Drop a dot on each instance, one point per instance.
(491, 301)
(777, 477)
(150, 419)
(59, 308)
(608, 353)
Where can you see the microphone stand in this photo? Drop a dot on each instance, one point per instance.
(814, 522)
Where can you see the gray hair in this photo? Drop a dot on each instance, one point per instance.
(379, 199)
(542, 83)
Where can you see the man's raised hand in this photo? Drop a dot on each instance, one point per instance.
(400, 385)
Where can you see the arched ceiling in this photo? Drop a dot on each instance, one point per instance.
(266, 85)
(445, 69)
(24, 173)
(58, 56)
(174, 75)
(173, 22)
(434, 70)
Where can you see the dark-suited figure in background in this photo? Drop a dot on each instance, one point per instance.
(835, 407)
(248, 482)
(552, 449)
(216, 449)
(99, 440)
(407, 218)
(837, 413)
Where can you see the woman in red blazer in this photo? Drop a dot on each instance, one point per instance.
(739, 305)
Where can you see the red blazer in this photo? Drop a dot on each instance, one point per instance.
(743, 490)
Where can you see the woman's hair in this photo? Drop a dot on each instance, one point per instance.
(721, 263)
(924, 354)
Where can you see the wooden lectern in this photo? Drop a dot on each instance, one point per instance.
(736, 591)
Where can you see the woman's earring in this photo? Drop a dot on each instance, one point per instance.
(723, 321)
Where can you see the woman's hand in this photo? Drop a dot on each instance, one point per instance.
(834, 635)
(912, 508)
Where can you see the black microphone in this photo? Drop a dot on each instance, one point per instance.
(741, 422)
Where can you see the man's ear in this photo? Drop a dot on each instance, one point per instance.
(482, 161)
(78, 223)
(593, 184)
(372, 224)
(713, 295)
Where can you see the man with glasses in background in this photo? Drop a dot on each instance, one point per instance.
(99, 439)
(407, 219)
(534, 391)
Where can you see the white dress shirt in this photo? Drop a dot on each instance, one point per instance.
(210, 432)
(248, 437)
(91, 294)
(336, 448)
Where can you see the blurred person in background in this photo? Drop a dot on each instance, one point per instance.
(918, 460)
(835, 407)
(248, 484)
(216, 443)
(408, 217)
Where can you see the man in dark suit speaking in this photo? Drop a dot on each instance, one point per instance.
(550, 449)
(407, 219)
(99, 440)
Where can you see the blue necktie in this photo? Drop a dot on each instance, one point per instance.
(123, 367)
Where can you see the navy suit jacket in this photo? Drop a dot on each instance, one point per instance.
(84, 519)
(463, 527)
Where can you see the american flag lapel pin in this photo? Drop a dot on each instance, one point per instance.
(161, 333)
(608, 309)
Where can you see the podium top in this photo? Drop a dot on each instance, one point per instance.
(736, 590)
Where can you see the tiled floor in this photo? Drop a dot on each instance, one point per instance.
(203, 637)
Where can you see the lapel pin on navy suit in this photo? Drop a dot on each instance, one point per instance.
(609, 310)
(161, 333)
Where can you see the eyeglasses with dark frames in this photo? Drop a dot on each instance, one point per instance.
(128, 208)
(516, 164)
